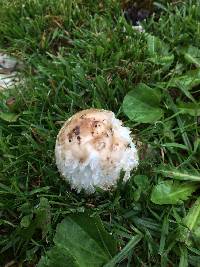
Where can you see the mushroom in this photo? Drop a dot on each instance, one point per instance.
(92, 148)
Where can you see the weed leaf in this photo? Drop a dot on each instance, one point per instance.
(184, 82)
(94, 227)
(192, 55)
(142, 104)
(169, 192)
(58, 257)
(192, 109)
(191, 229)
(159, 52)
(9, 117)
(80, 241)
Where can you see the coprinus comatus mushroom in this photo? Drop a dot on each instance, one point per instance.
(92, 148)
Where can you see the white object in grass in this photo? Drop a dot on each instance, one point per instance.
(92, 148)
(8, 73)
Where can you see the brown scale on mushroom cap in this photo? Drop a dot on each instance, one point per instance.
(91, 129)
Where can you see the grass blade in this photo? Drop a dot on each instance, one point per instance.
(182, 175)
(184, 258)
(124, 253)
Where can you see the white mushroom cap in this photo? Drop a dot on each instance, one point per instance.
(92, 148)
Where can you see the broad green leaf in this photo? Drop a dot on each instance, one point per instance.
(57, 257)
(80, 241)
(73, 237)
(9, 117)
(191, 224)
(94, 227)
(142, 104)
(192, 109)
(170, 192)
(192, 55)
(183, 175)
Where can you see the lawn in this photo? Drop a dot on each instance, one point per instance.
(83, 54)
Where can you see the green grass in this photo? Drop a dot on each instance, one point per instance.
(82, 54)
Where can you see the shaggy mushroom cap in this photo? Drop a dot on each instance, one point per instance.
(92, 148)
